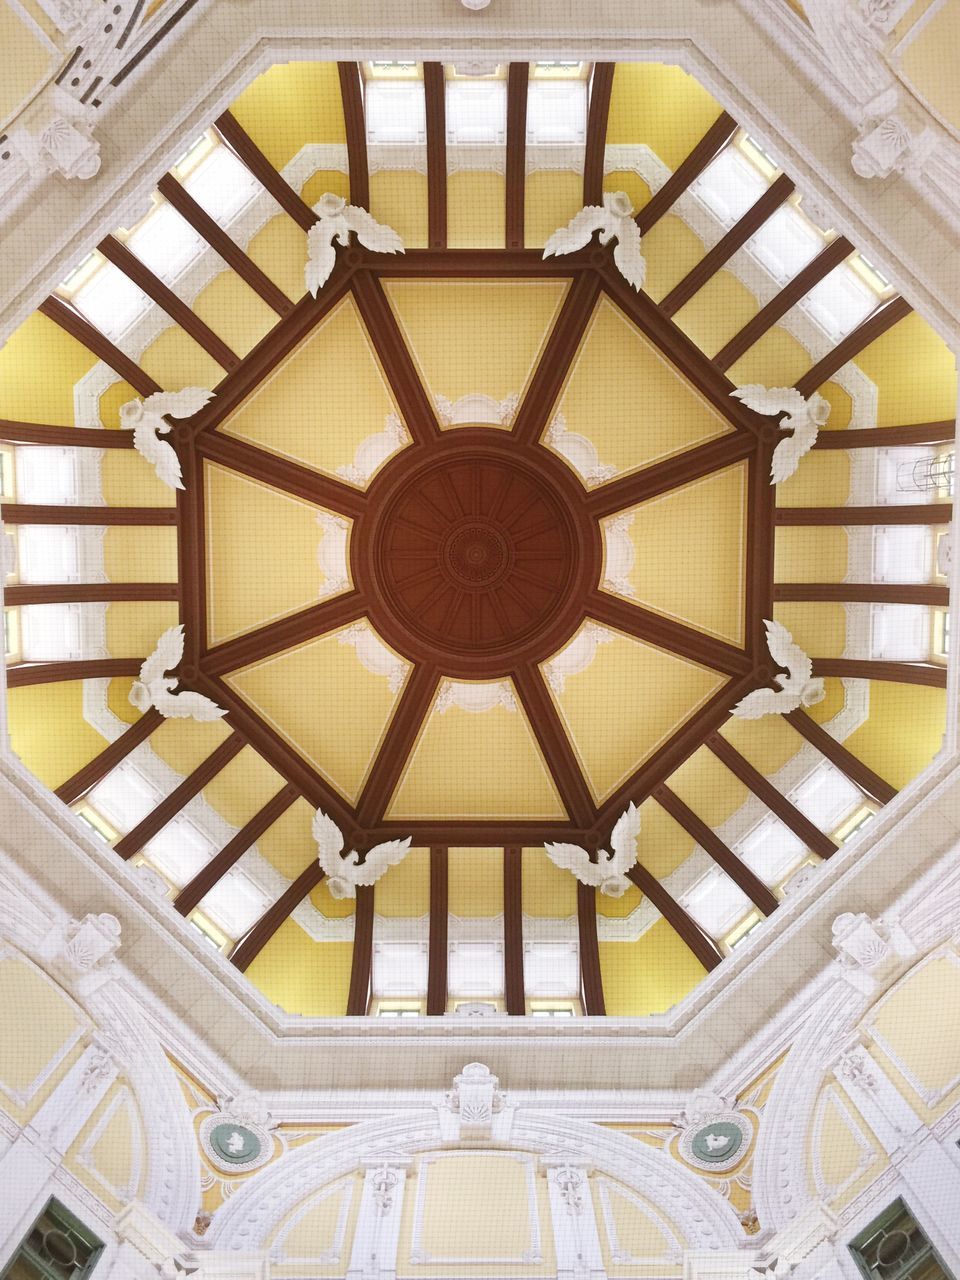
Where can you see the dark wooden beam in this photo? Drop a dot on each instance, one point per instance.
(514, 989)
(704, 948)
(693, 464)
(351, 91)
(274, 637)
(37, 513)
(405, 724)
(490, 264)
(282, 473)
(434, 92)
(761, 505)
(247, 151)
(171, 805)
(180, 198)
(826, 260)
(415, 406)
(23, 673)
(481, 835)
(192, 557)
(86, 778)
(888, 437)
(71, 321)
(875, 326)
(439, 911)
(516, 170)
(767, 794)
(71, 437)
(558, 753)
(601, 84)
(721, 253)
(927, 593)
(591, 979)
(667, 633)
(359, 994)
(860, 774)
(713, 141)
(888, 513)
(925, 673)
(179, 312)
(537, 408)
(82, 592)
(253, 942)
(197, 889)
(723, 856)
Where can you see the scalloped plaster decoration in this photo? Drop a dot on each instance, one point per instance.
(476, 408)
(374, 654)
(619, 554)
(332, 554)
(577, 656)
(372, 452)
(579, 451)
(475, 698)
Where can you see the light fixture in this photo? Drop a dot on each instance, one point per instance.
(474, 4)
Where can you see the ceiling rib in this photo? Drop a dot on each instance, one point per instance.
(415, 407)
(281, 473)
(712, 142)
(514, 988)
(408, 719)
(359, 994)
(252, 943)
(351, 91)
(721, 253)
(176, 194)
(889, 513)
(84, 779)
(652, 628)
(72, 437)
(843, 759)
(285, 633)
(639, 486)
(485, 264)
(21, 674)
(601, 85)
(558, 752)
(826, 260)
(888, 437)
(192, 558)
(704, 948)
(71, 321)
(84, 592)
(725, 858)
(873, 669)
(38, 513)
(434, 92)
(466, 832)
(249, 154)
(771, 796)
(197, 889)
(591, 977)
(875, 326)
(171, 805)
(437, 947)
(140, 274)
(761, 504)
(926, 593)
(516, 166)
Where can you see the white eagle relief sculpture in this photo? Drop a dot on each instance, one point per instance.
(609, 872)
(344, 871)
(336, 220)
(146, 419)
(804, 418)
(796, 689)
(154, 688)
(614, 220)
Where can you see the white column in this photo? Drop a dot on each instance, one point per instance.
(574, 1221)
(374, 1253)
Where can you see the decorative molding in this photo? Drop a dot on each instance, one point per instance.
(577, 656)
(23, 1097)
(475, 697)
(332, 555)
(715, 1136)
(870, 952)
(329, 1257)
(475, 1109)
(831, 1099)
(620, 1255)
(374, 655)
(237, 1137)
(86, 1158)
(618, 555)
(580, 452)
(475, 409)
(372, 452)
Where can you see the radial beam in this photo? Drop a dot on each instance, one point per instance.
(889, 437)
(25, 673)
(408, 718)
(721, 253)
(761, 505)
(704, 948)
(725, 858)
(358, 996)
(434, 92)
(712, 142)
(275, 637)
(768, 794)
(481, 835)
(875, 326)
(591, 978)
(826, 260)
(860, 774)
(191, 556)
(703, 460)
(281, 473)
(65, 437)
(514, 989)
(253, 942)
(924, 673)
(924, 593)
(516, 167)
(489, 264)
(85, 592)
(247, 151)
(888, 513)
(98, 344)
(666, 633)
(601, 85)
(558, 753)
(351, 91)
(37, 513)
(86, 778)
(437, 947)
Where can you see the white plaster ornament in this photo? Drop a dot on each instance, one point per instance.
(614, 220)
(146, 419)
(796, 689)
(154, 688)
(336, 220)
(608, 873)
(344, 871)
(804, 418)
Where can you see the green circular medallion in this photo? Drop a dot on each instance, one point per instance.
(717, 1141)
(234, 1143)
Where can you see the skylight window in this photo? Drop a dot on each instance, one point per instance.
(399, 969)
(729, 185)
(179, 851)
(476, 112)
(395, 112)
(47, 475)
(551, 969)
(826, 797)
(48, 553)
(222, 185)
(110, 301)
(556, 112)
(839, 302)
(902, 553)
(235, 903)
(785, 243)
(900, 632)
(771, 850)
(716, 903)
(124, 798)
(50, 632)
(165, 242)
(475, 969)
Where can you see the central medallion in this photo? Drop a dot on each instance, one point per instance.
(479, 555)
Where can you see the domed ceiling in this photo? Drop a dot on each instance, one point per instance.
(475, 548)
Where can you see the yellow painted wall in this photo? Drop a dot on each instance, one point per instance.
(313, 1233)
(708, 788)
(810, 554)
(405, 889)
(29, 62)
(234, 311)
(476, 210)
(290, 105)
(844, 1152)
(927, 63)
(133, 626)
(551, 198)
(777, 360)
(242, 787)
(133, 553)
(47, 1021)
(649, 975)
(915, 373)
(717, 311)
(175, 360)
(280, 250)
(661, 106)
(185, 744)
(903, 732)
(547, 890)
(127, 480)
(48, 731)
(821, 480)
(303, 976)
(819, 629)
(922, 1047)
(475, 882)
(39, 365)
(399, 199)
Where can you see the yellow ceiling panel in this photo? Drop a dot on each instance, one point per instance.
(290, 105)
(242, 517)
(547, 889)
(626, 703)
(324, 401)
(399, 199)
(39, 366)
(670, 247)
(649, 975)
(821, 480)
(48, 732)
(278, 249)
(709, 788)
(475, 882)
(405, 889)
(819, 629)
(325, 703)
(288, 845)
(174, 359)
(140, 553)
(551, 198)
(689, 552)
(243, 787)
(185, 744)
(625, 398)
(127, 480)
(810, 553)
(134, 626)
(303, 976)
(661, 106)
(476, 209)
(476, 765)
(475, 337)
